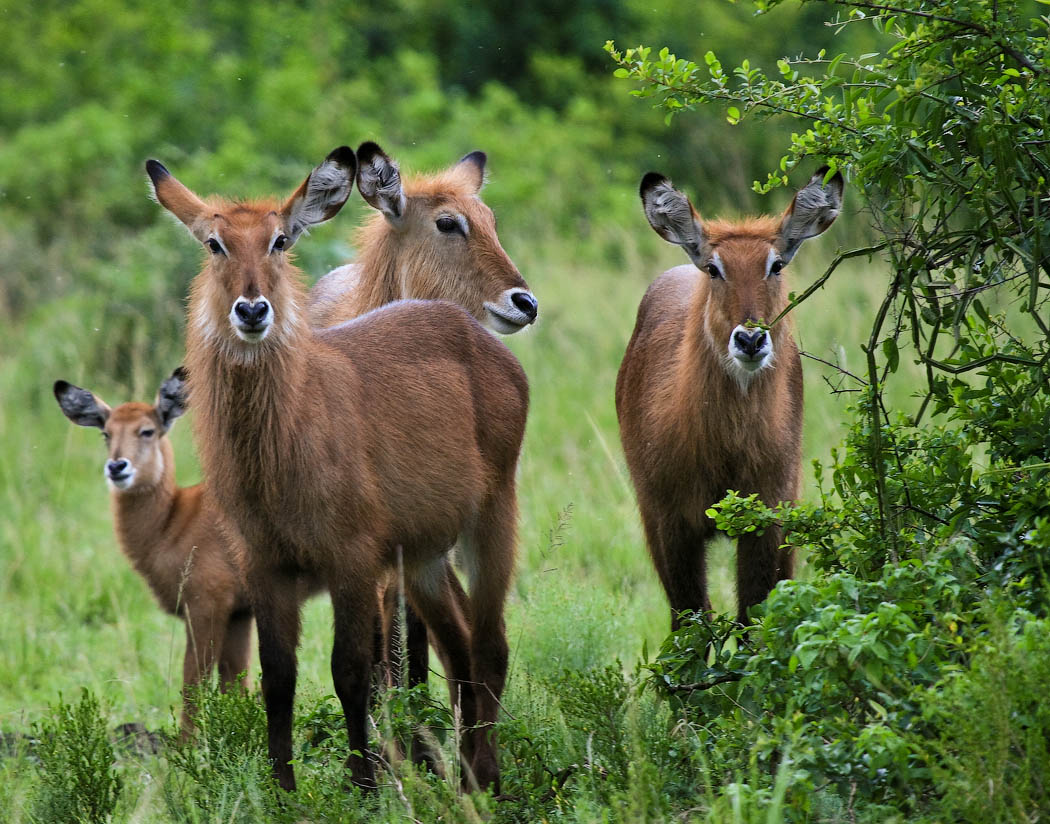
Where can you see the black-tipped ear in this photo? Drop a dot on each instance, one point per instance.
(649, 180)
(322, 194)
(343, 156)
(172, 398)
(813, 209)
(379, 181)
(155, 169)
(473, 165)
(80, 406)
(672, 216)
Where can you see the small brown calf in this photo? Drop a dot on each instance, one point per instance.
(329, 450)
(708, 398)
(171, 535)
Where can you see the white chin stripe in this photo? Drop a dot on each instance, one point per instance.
(744, 364)
(504, 316)
(126, 481)
(251, 333)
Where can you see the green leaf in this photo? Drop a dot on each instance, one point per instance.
(892, 354)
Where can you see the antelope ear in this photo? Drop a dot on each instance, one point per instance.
(177, 199)
(813, 210)
(172, 398)
(80, 406)
(472, 168)
(379, 181)
(673, 217)
(322, 194)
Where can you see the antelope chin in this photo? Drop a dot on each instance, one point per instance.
(506, 322)
(121, 482)
(252, 334)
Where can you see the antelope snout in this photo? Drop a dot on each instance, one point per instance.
(251, 318)
(749, 342)
(526, 303)
(750, 348)
(515, 309)
(119, 473)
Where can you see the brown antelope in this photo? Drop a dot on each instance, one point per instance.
(708, 398)
(330, 449)
(434, 239)
(171, 535)
(431, 238)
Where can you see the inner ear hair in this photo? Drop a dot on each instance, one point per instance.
(80, 406)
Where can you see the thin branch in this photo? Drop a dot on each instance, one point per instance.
(836, 367)
(705, 685)
(842, 256)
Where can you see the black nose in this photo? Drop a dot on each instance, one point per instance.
(251, 314)
(115, 468)
(526, 304)
(750, 342)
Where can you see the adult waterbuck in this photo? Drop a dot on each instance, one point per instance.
(708, 398)
(171, 535)
(330, 449)
(432, 238)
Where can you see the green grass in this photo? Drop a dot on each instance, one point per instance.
(585, 597)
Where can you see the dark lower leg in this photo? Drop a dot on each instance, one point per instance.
(236, 652)
(447, 624)
(276, 611)
(354, 614)
(680, 556)
(760, 563)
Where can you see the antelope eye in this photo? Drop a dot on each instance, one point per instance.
(776, 266)
(147, 433)
(214, 246)
(713, 271)
(280, 243)
(447, 224)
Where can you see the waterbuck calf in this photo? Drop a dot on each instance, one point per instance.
(431, 238)
(171, 535)
(329, 450)
(708, 398)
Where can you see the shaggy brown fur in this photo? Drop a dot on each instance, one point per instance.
(404, 254)
(697, 420)
(329, 450)
(171, 534)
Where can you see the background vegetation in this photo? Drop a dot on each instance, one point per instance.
(879, 685)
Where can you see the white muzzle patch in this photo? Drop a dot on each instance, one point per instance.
(251, 319)
(749, 351)
(125, 479)
(515, 309)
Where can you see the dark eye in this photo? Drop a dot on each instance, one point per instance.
(280, 243)
(147, 433)
(713, 271)
(105, 437)
(447, 224)
(214, 246)
(776, 267)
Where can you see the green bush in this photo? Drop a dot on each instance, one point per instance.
(78, 776)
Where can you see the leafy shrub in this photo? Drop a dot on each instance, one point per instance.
(78, 776)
